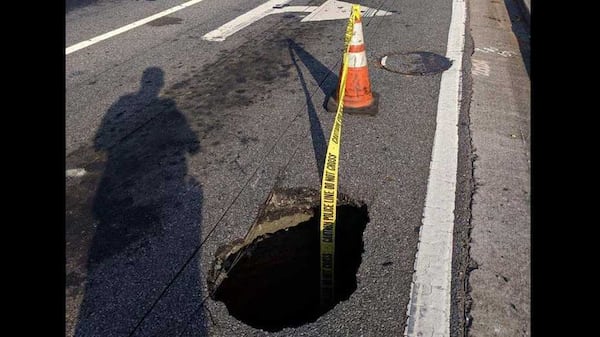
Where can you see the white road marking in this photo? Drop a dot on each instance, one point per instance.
(429, 306)
(130, 26)
(480, 67)
(78, 172)
(337, 10)
(248, 18)
(494, 50)
(329, 10)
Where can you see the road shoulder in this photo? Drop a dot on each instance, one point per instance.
(500, 130)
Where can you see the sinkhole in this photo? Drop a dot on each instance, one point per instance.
(270, 280)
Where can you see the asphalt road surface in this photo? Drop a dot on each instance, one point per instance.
(173, 143)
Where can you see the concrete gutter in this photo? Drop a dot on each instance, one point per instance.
(525, 7)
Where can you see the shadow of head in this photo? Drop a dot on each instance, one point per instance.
(131, 111)
(153, 79)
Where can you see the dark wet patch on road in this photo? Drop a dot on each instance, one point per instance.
(238, 79)
(219, 98)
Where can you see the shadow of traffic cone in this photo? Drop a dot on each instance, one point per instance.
(358, 97)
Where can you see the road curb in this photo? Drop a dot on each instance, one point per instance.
(498, 284)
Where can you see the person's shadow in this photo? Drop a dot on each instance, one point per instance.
(147, 214)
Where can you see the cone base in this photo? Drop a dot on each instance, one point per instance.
(372, 109)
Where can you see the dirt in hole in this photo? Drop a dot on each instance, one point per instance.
(275, 282)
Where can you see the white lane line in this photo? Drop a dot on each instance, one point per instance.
(130, 26)
(429, 307)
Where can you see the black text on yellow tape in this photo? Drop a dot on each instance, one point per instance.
(329, 184)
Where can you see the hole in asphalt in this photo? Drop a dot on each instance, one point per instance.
(275, 282)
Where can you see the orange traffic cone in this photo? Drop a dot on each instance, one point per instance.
(358, 97)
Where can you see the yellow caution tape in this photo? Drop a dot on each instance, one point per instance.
(329, 184)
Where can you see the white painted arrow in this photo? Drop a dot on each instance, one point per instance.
(337, 10)
(329, 10)
(245, 20)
